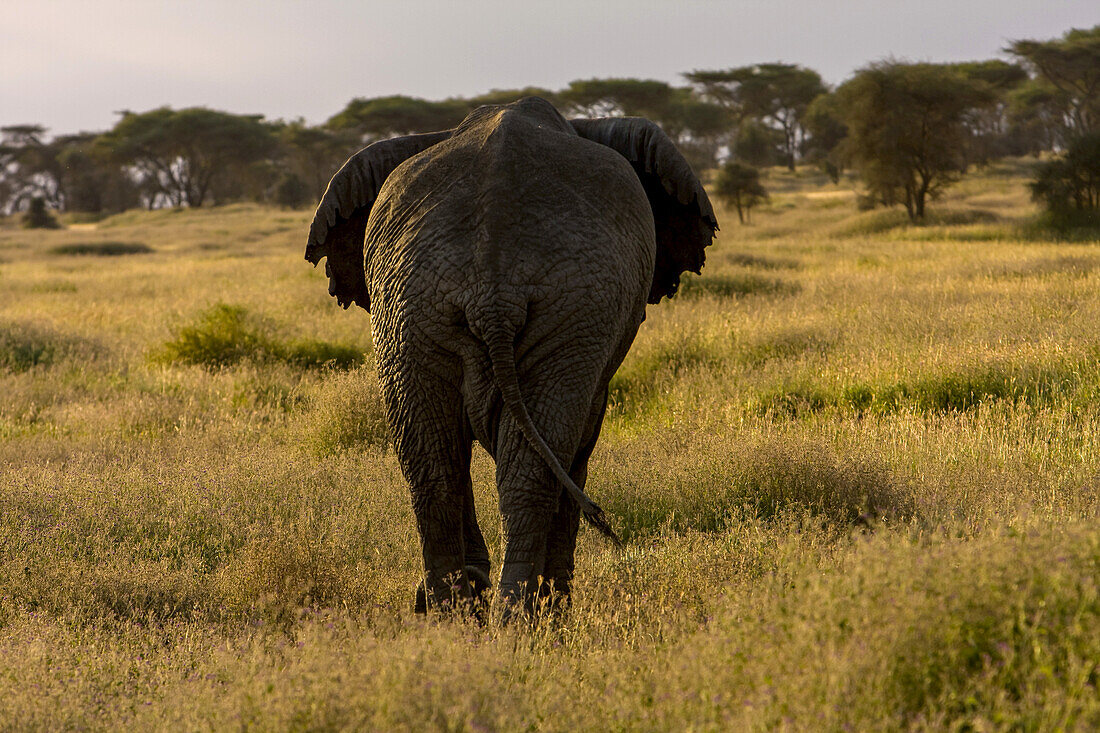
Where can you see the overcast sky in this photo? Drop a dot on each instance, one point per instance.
(71, 64)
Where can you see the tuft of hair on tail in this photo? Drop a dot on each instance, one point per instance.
(599, 521)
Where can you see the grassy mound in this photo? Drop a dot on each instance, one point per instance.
(26, 345)
(949, 389)
(881, 221)
(102, 249)
(744, 259)
(225, 335)
(733, 286)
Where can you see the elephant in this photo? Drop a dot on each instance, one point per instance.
(507, 264)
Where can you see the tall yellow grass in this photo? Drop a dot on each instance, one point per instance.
(855, 464)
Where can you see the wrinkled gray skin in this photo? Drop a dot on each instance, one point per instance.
(507, 265)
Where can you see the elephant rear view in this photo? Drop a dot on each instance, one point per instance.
(507, 265)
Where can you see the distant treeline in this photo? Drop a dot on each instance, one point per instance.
(760, 115)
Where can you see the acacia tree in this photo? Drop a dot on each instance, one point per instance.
(506, 96)
(699, 128)
(1071, 182)
(777, 94)
(907, 129)
(1037, 114)
(1070, 65)
(88, 179)
(739, 186)
(826, 131)
(28, 167)
(180, 155)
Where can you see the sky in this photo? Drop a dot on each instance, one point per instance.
(71, 65)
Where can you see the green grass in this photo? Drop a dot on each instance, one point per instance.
(25, 345)
(854, 464)
(224, 335)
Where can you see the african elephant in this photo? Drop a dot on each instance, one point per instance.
(506, 265)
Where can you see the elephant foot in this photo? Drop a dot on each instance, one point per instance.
(521, 599)
(555, 596)
(479, 584)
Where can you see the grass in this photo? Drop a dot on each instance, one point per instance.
(733, 285)
(25, 345)
(224, 335)
(854, 464)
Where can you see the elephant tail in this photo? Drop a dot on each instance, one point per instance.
(503, 359)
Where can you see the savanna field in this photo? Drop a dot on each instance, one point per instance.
(856, 465)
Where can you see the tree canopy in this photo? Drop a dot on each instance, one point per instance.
(1071, 65)
(383, 117)
(907, 130)
(776, 94)
(180, 154)
(619, 98)
(696, 125)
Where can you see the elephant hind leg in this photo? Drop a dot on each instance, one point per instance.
(433, 445)
(476, 551)
(536, 512)
(561, 544)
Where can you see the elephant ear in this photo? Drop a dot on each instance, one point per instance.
(682, 212)
(340, 223)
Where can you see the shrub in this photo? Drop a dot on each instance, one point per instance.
(1072, 182)
(314, 354)
(225, 335)
(222, 336)
(292, 192)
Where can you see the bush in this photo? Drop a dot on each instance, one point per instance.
(225, 335)
(1071, 183)
(292, 192)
